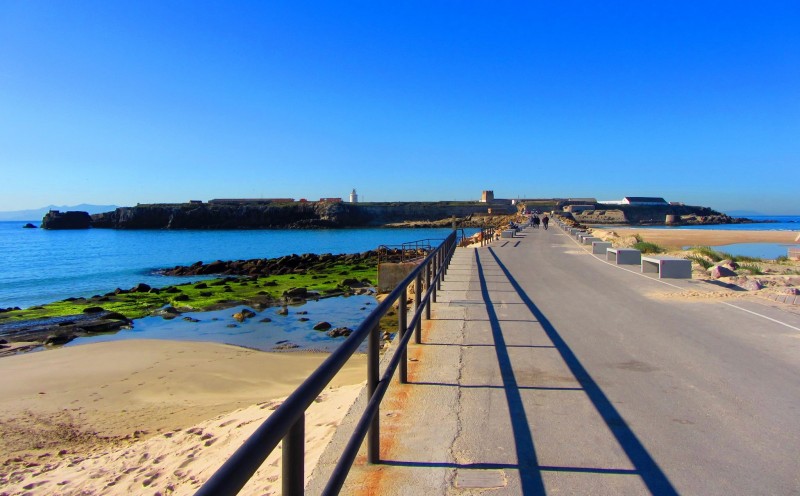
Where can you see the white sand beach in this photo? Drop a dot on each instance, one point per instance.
(155, 416)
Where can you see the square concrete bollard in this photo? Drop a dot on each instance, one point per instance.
(624, 256)
(588, 240)
(600, 247)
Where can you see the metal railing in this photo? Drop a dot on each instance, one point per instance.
(287, 422)
(410, 251)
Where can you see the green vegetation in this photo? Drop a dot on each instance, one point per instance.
(207, 295)
(718, 256)
(752, 268)
(705, 263)
(647, 247)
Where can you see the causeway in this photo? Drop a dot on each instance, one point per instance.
(546, 370)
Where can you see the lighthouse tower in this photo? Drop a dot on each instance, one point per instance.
(353, 196)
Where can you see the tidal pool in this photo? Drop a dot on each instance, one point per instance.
(219, 326)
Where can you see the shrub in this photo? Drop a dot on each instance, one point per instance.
(706, 264)
(752, 268)
(646, 247)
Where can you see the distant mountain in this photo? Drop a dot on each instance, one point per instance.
(38, 213)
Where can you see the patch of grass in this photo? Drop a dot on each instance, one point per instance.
(647, 247)
(718, 256)
(706, 264)
(752, 268)
(708, 252)
(206, 295)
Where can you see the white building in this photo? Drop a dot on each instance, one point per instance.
(636, 200)
(353, 196)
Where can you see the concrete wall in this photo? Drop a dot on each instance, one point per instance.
(391, 274)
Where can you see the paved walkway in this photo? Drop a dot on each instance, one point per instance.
(548, 371)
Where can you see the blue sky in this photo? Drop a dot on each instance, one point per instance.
(148, 101)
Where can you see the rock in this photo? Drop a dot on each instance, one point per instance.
(265, 320)
(191, 319)
(66, 220)
(201, 285)
(792, 291)
(340, 332)
(285, 345)
(171, 290)
(303, 319)
(141, 288)
(352, 282)
(102, 325)
(29, 226)
(181, 297)
(244, 315)
(729, 264)
(322, 326)
(718, 271)
(296, 292)
(283, 311)
(57, 339)
(752, 285)
(93, 310)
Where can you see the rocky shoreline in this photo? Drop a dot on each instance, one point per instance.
(259, 283)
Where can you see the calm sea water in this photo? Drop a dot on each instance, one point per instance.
(39, 266)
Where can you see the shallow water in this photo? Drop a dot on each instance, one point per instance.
(213, 326)
(761, 250)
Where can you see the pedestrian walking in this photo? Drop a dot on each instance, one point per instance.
(545, 220)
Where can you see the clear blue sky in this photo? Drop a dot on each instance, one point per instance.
(147, 101)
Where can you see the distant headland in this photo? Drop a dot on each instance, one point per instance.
(334, 213)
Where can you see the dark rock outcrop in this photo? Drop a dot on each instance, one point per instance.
(66, 220)
(277, 266)
(29, 226)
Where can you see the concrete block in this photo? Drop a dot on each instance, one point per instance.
(624, 256)
(668, 267)
(600, 247)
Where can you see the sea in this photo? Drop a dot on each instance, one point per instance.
(39, 266)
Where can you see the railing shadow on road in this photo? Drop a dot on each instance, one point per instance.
(529, 471)
(645, 466)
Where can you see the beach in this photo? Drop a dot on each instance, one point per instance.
(151, 415)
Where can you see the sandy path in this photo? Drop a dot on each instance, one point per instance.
(149, 416)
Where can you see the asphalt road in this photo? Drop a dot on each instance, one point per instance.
(548, 371)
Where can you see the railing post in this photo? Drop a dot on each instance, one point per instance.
(417, 305)
(439, 265)
(428, 284)
(402, 313)
(374, 434)
(434, 280)
(293, 459)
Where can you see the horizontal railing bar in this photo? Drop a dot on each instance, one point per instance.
(240, 467)
(348, 456)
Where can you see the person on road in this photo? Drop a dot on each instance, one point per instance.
(545, 220)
